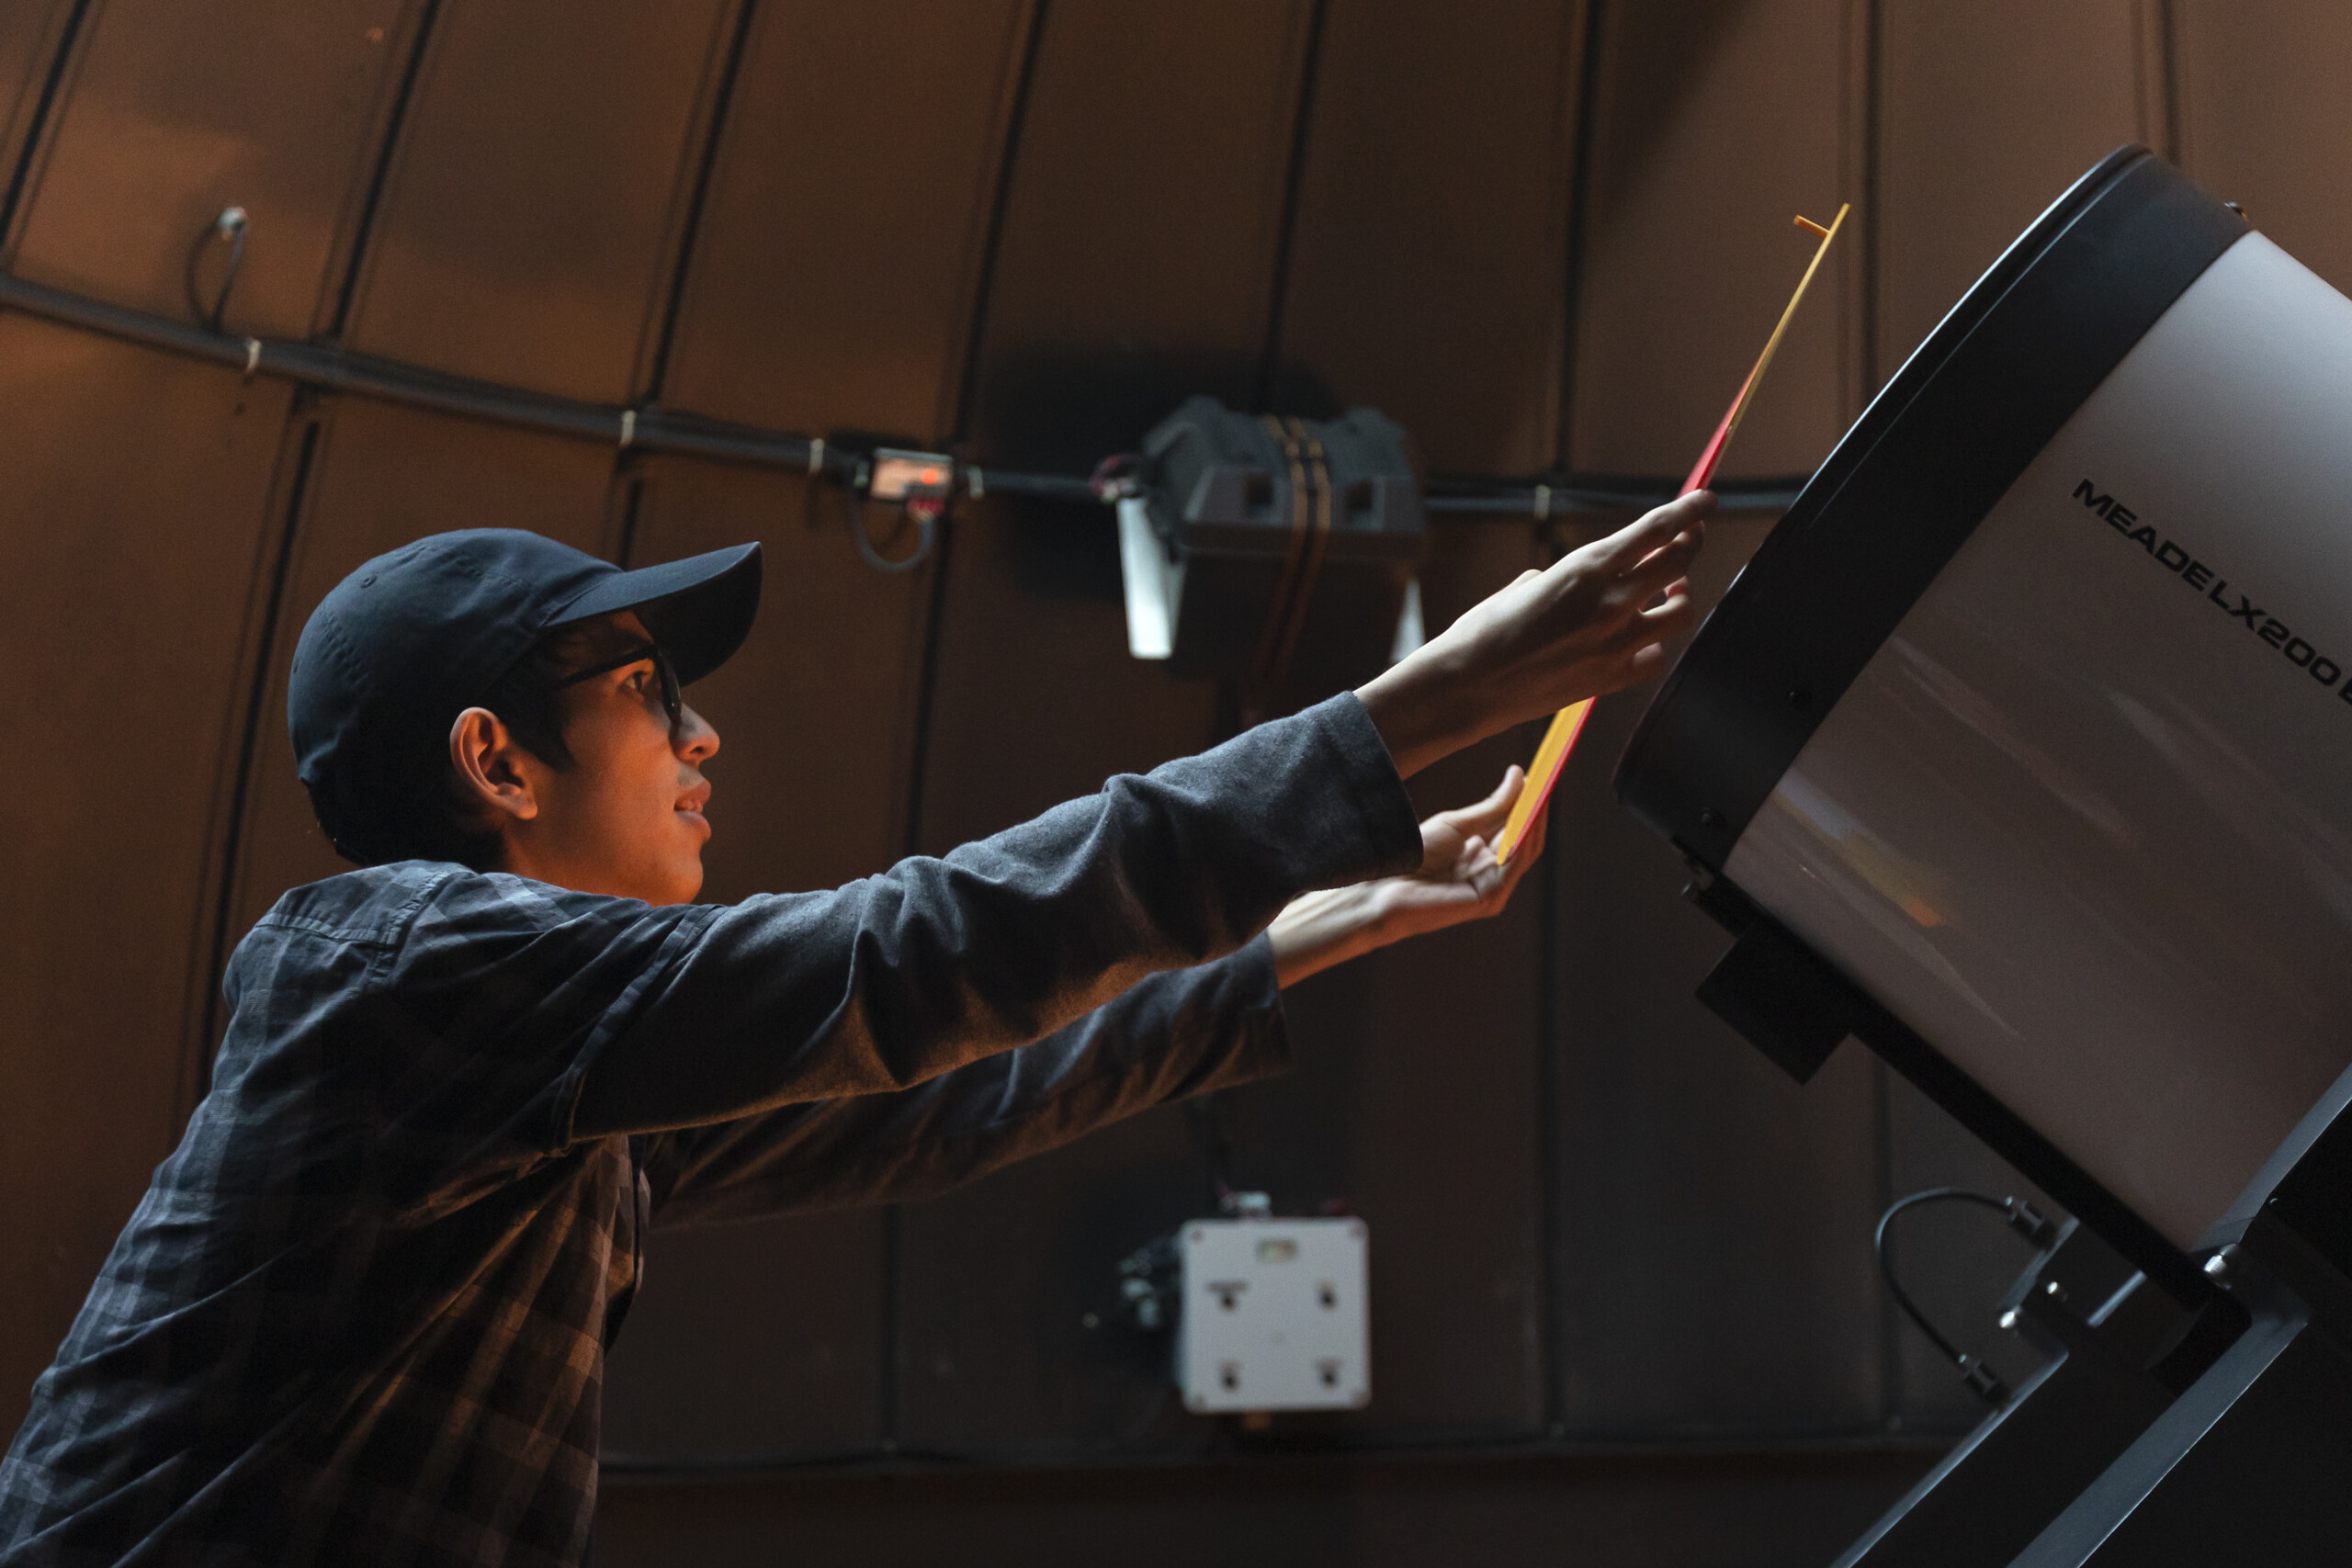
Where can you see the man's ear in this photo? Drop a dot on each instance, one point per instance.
(488, 774)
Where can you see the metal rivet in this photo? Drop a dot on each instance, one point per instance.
(1710, 818)
(1800, 699)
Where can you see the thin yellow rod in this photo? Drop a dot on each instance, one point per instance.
(1543, 771)
(1772, 346)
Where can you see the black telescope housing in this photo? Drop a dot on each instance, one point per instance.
(2195, 1404)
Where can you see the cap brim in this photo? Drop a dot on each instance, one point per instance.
(699, 609)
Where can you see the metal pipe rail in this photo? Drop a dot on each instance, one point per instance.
(652, 429)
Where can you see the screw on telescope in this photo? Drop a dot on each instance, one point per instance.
(1800, 699)
(2029, 1222)
(1710, 818)
(1984, 1381)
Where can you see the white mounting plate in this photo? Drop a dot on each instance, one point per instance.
(1275, 1316)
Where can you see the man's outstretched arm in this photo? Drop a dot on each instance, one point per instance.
(1174, 1036)
(885, 983)
(888, 982)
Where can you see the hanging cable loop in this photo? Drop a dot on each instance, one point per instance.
(926, 525)
(229, 226)
(2022, 1217)
(927, 534)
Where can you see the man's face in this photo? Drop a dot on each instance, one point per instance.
(627, 817)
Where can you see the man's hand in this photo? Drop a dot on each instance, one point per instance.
(1458, 881)
(1596, 621)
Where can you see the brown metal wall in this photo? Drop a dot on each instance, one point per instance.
(547, 264)
(33, 39)
(2259, 89)
(132, 636)
(1711, 124)
(1143, 218)
(1989, 109)
(174, 112)
(1441, 146)
(835, 270)
(1542, 233)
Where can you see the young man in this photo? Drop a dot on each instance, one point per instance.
(361, 1315)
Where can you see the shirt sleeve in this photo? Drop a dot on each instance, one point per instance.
(1171, 1036)
(888, 982)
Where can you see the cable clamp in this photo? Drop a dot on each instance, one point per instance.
(974, 485)
(1542, 503)
(252, 356)
(629, 428)
(817, 455)
(1117, 476)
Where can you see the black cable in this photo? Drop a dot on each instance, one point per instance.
(2021, 1216)
(1887, 1258)
(229, 226)
(927, 536)
(1544, 497)
(649, 428)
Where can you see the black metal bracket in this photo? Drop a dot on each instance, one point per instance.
(1783, 1000)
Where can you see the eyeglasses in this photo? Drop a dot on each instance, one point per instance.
(673, 704)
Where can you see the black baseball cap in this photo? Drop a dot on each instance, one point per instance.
(412, 638)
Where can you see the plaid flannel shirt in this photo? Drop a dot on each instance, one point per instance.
(361, 1315)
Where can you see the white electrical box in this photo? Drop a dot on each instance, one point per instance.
(1274, 1315)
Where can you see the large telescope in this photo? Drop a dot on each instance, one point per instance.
(2022, 752)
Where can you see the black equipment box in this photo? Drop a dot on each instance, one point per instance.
(1293, 542)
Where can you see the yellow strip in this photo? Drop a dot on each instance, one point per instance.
(1545, 771)
(1541, 774)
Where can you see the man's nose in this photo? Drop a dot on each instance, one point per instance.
(695, 740)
